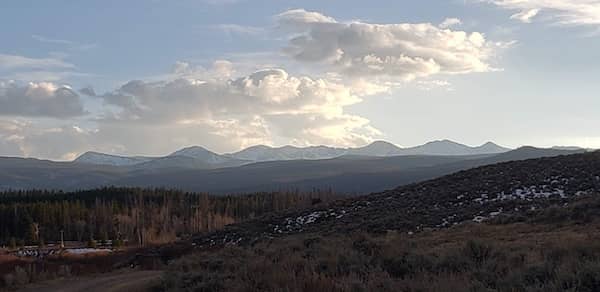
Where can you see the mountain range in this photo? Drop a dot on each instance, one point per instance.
(196, 169)
(200, 158)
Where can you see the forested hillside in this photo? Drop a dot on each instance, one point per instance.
(137, 216)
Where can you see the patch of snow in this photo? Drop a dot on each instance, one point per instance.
(494, 214)
(86, 250)
(107, 159)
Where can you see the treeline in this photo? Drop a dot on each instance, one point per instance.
(134, 215)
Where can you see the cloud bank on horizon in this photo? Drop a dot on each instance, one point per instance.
(336, 65)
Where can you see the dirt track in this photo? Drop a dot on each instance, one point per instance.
(129, 281)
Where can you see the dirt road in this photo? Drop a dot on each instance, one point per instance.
(126, 280)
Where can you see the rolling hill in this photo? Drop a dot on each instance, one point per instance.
(511, 190)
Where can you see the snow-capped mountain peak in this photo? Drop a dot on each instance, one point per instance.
(201, 154)
(267, 153)
(97, 158)
(377, 148)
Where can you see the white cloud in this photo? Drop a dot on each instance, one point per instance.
(232, 29)
(261, 107)
(43, 39)
(526, 15)
(429, 85)
(88, 90)
(449, 22)
(224, 109)
(220, 69)
(64, 142)
(35, 139)
(562, 12)
(221, 135)
(400, 51)
(45, 76)
(10, 138)
(296, 18)
(12, 62)
(72, 45)
(53, 68)
(312, 129)
(224, 114)
(41, 99)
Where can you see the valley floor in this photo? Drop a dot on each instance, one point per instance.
(118, 281)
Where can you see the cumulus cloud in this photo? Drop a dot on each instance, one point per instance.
(225, 110)
(563, 12)
(449, 22)
(406, 51)
(300, 18)
(220, 135)
(34, 139)
(63, 142)
(42, 99)
(10, 137)
(223, 114)
(220, 69)
(312, 129)
(253, 108)
(88, 90)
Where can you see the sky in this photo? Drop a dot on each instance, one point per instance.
(150, 77)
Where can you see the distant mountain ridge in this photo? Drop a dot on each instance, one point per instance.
(376, 149)
(447, 147)
(196, 157)
(97, 158)
(267, 153)
(203, 158)
(201, 154)
(191, 157)
(260, 153)
(348, 173)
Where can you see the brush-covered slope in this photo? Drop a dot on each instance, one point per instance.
(508, 190)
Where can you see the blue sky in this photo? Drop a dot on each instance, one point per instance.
(532, 80)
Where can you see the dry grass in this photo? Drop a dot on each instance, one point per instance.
(513, 257)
